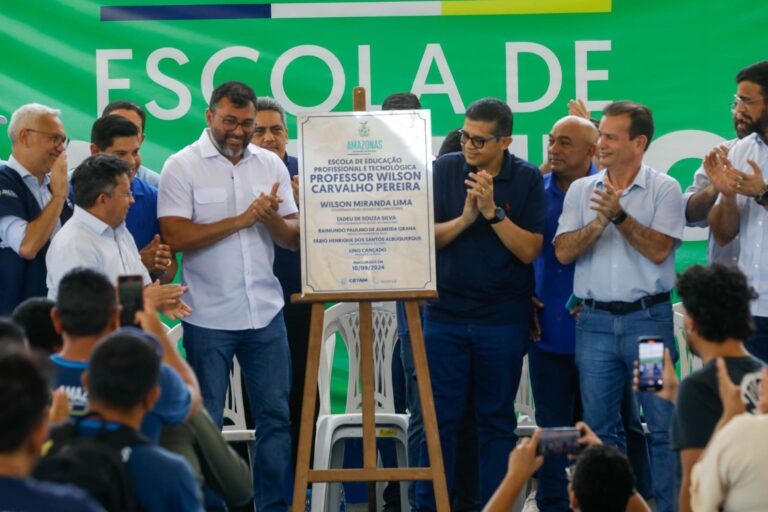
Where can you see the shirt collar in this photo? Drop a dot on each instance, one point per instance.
(208, 150)
(24, 173)
(505, 173)
(93, 223)
(137, 188)
(641, 179)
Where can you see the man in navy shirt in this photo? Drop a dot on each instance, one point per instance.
(271, 133)
(554, 378)
(24, 396)
(118, 136)
(489, 218)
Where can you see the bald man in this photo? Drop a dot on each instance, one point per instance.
(555, 380)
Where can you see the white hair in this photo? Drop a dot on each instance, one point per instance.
(26, 113)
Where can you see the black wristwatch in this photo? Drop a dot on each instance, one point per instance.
(619, 218)
(498, 215)
(762, 197)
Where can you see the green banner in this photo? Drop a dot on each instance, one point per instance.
(678, 57)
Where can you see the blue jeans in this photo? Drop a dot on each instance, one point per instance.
(757, 345)
(486, 359)
(555, 383)
(606, 348)
(265, 362)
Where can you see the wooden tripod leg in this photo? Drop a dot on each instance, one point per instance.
(427, 406)
(307, 427)
(365, 317)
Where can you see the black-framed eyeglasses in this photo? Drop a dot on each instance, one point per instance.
(231, 123)
(477, 141)
(738, 101)
(56, 138)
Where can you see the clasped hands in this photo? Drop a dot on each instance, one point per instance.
(479, 196)
(730, 181)
(262, 209)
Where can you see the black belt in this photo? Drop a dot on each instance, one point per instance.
(624, 308)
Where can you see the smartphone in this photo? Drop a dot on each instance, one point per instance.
(130, 294)
(651, 363)
(559, 441)
(573, 302)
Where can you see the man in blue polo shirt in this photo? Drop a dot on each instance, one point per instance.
(621, 227)
(118, 136)
(489, 218)
(554, 378)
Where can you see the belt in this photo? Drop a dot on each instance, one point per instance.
(624, 308)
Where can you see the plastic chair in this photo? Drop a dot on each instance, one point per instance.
(234, 410)
(526, 413)
(688, 361)
(334, 429)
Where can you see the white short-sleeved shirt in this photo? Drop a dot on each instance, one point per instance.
(86, 241)
(753, 221)
(613, 270)
(231, 283)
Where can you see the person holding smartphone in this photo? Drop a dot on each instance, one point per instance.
(621, 227)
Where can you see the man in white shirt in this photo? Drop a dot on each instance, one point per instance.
(96, 236)
(742, 208)
(225, 203)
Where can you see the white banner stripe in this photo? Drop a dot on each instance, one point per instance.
(356, 9)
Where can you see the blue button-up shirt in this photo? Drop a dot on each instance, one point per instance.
(613, 270)
(554, 281)
(141, 220)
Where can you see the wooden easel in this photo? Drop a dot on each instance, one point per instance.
(369, 472)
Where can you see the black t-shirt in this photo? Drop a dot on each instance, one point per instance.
(698, 401)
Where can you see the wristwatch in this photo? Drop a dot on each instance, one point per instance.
(619, 218)
(762, 197)
(498, 215)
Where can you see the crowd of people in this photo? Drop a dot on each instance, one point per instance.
(569, 263)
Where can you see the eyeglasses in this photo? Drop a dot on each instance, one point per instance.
(53, 137)
(127, 195)
(477, 141)
(231, 123)
(737, 102)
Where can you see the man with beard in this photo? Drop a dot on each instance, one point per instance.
(33, 201)
(225, 203)
(741, 207)
(700, 197)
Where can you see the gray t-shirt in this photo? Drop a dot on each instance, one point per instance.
(698, 406)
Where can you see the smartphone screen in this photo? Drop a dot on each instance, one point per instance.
(651, 363)
(130, 293)
(559, 441)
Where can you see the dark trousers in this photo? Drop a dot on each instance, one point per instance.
(758, 343)
(555, 383)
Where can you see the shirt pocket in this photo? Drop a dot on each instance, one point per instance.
(210, 203)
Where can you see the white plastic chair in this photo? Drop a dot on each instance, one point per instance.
(234, 409)
(688, 361)
(526, 413)
(334, 429)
